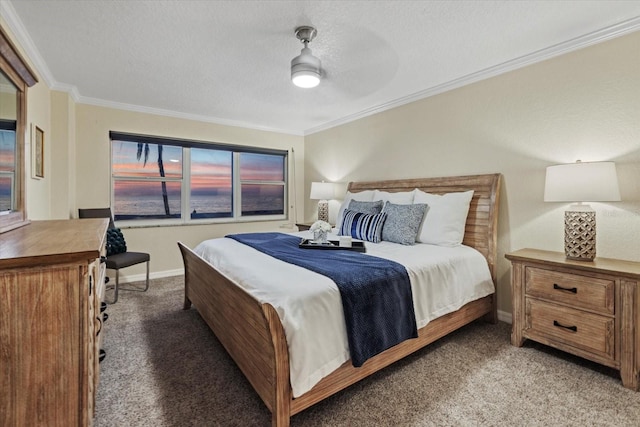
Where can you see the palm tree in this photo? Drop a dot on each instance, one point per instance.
(145, 147)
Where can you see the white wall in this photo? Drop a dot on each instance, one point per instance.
(583, 105)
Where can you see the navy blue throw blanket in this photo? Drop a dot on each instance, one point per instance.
(376, 293)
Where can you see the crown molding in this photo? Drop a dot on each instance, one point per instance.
(70, 89)
(176, 114)
(599, 36)
(595, 37)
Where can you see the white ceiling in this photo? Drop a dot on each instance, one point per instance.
(228, 61)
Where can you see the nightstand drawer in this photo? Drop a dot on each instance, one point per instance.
(571, 289)
(576, 328)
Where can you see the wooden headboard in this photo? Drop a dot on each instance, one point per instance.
(481, 231)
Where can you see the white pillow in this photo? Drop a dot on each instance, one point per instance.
(445, 218)
(400, 198)
(361, 196)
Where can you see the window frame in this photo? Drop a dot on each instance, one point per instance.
(185, 212)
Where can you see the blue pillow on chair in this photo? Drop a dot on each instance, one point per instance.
(115, 242)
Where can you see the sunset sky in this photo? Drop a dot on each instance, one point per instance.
(7, 150)
(211, 170)
(7, 164)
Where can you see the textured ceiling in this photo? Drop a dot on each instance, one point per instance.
(228, 61)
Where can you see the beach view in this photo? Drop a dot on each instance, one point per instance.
(154, 190)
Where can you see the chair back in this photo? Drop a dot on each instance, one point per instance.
(97, 213)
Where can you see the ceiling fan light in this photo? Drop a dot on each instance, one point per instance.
(305, 78)
(305, 69)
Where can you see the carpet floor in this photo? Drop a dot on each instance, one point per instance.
(164, 367)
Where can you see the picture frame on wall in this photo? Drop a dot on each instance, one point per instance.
(37, 163)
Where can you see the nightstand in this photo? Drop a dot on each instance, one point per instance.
(304, 226)
(590, 309)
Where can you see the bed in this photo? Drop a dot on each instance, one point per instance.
(253, 334)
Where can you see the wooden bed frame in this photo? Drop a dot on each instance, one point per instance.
(252, 334)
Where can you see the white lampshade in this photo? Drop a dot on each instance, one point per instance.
(582, 182)
(322, 191)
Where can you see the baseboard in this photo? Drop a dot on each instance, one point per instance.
(504, 316)
(139, 277)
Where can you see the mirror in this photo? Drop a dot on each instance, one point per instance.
(15, 78)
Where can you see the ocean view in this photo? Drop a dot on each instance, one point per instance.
(211, 206)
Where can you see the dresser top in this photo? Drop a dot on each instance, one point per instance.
(599, 264)
(52, 242)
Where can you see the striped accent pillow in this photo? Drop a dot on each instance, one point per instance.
(362, 226)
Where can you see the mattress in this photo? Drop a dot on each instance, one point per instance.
(443, 279)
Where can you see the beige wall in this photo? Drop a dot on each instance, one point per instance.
(583, 105)
(93, 185)
(38, 190)
(8, 102)
(62, 176)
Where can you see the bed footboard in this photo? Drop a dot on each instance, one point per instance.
(251, 332)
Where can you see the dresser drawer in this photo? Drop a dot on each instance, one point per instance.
(571, 289)
(587, 331)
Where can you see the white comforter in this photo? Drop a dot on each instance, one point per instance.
(443, 279)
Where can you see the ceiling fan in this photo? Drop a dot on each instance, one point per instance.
(305, 68)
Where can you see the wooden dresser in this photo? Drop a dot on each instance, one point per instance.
(590, 309)
(51, 286)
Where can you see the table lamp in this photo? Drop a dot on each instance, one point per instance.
(581, 182)
(322, 191)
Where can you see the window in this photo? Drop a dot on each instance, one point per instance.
(175, 181)
(261, 180)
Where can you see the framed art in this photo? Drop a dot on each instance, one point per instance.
(37, 165)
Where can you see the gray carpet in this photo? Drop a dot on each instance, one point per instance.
(165, 368)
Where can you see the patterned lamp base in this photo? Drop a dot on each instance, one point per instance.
(580, 235)
(323, 210)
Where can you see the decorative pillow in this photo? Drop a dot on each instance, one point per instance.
(403, 222)
(363, 226)
(445, 218)
(370, 208)
(361, 196)
(115, 242)
(399, 198)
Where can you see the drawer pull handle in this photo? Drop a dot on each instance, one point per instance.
(99, 319)
(572, 290)
(571, 328)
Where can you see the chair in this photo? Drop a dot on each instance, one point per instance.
(118, 261)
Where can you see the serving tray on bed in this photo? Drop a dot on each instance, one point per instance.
(332, 244)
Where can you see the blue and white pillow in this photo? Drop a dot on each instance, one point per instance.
(362, 226)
